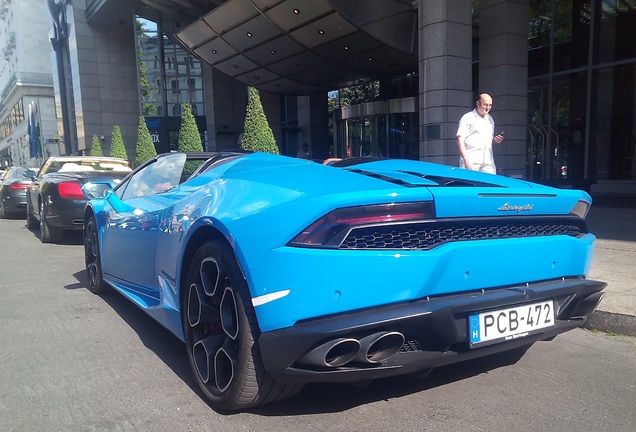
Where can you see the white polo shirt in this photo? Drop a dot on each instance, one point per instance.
(478, 133)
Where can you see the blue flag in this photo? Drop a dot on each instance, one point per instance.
(32, 143)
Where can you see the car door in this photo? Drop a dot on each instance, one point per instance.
(133, 221)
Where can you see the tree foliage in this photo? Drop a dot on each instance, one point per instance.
(257, 135)
(145, 149)
(148, 103)
(117, 148)
(96, 148)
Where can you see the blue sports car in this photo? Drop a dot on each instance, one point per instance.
(278, 271)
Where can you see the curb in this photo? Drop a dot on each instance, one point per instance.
(611, 322)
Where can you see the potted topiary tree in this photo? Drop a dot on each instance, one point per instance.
(189, 136)
(145, 149)
(96, 148)
(257, 135)
(117, 148)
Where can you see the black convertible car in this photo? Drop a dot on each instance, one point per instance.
(56, 198)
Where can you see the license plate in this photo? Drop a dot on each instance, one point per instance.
(512, 323)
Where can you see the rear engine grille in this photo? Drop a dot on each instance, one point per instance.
(427, 235)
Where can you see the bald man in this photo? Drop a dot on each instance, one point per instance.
(475, 135)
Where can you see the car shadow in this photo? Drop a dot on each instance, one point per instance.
(69, 237)
(153, 335)
(314, 398)
(333, 398)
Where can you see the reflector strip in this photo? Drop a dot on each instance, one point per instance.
(261, 300)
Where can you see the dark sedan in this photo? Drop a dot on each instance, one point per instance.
(57, 195)
(13, 190)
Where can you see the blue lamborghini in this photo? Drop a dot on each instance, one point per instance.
(277, 271)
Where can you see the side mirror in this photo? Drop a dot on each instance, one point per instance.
(29, 174)
(96, 190)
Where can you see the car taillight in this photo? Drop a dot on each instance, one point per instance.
(340, 221)
(18, 186)
(70, 190)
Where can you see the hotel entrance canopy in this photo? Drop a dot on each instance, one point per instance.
(300, 46)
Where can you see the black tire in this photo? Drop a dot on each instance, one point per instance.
(3, 215)
(48, 233)
(92, 258)
(31, 222)
(222, 334)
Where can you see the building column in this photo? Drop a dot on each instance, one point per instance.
(225, 104)
(503, 73)
(313, 124)
(445, 75)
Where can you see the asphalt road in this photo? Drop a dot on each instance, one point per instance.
(72, 361)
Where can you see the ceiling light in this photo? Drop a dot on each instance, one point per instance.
(214, 51)
(272, 51)
(322, 32)
(346, 47)
(235, 66)
(249, 34)
(296, 11)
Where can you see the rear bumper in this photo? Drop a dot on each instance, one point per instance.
(14, 206)
(14, 202)
(66, 214)
(435, 331)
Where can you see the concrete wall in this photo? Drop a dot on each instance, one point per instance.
(225, 103)
(104, 75)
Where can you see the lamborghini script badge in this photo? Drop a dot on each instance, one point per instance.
(515, 208)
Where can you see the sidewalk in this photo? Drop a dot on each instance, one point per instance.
(613, 221)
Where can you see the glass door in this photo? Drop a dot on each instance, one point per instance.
(366, 137)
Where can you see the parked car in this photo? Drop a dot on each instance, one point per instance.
(13, 190)
(57, 195)
(277, 271)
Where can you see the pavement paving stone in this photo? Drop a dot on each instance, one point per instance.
(614, 224)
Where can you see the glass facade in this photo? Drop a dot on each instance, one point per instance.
(289, 125)
(391, 135)
(376, 119)
(582, 91)
(168, 78)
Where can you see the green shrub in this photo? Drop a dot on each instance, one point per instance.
(96, 148)
(189, 138)
(117, 148)
(257, 135)
(145, 149)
